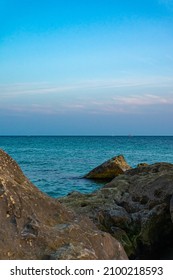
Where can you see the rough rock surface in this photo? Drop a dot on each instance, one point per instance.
(135, 207)
(35, 226)
(109, 169)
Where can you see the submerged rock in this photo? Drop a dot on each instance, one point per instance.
(35, 226)
(109, 169)
(135, 207)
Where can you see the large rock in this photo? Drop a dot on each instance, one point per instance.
(35, 226)
(136, 208)
(109, 169)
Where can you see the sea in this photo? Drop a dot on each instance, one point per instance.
(57, 164)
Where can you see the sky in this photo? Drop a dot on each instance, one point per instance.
(86, 67)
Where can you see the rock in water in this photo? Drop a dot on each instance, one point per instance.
(135, 207)
(109, 169)
(35, 226)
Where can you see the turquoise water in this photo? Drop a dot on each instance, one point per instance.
(56, 164)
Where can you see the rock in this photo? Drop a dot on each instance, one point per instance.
(142, 164)
(136, 208)
(35, 226)
(171, 208)
(109, 169)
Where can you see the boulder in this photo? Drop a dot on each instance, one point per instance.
(109, 169)
(136, 208)
(35, 226)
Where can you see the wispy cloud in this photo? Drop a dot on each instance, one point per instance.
(16, 90)
(116, 96)
(41, 89)
(117, 104)
(31, 109)
(143, 100)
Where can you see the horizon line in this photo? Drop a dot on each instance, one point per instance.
(83, 135)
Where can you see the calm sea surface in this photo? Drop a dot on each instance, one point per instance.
(56, 164)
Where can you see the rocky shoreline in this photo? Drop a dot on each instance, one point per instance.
(136, 208)
(130, 217)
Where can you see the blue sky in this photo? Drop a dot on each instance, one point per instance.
(86, 67)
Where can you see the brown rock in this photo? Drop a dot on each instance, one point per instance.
(109, 169)
(135, 207)
(142, 164)
(35, 226)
